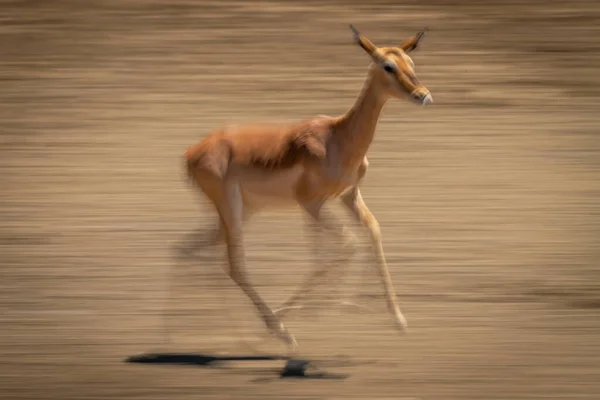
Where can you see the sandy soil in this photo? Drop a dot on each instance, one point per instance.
(488, 201)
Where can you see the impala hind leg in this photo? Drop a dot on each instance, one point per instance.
(230, 208)
(354, 202)
(203, 238)
(200, 239)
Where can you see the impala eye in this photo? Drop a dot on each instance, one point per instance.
(389, 66)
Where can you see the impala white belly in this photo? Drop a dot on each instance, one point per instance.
(270, 188)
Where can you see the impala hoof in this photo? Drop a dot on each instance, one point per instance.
(351, 304)
(285, 336)
(401, 323)
(281, 311)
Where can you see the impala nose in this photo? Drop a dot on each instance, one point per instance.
(427, 99)
(423, 97)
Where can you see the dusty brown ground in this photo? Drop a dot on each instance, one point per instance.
(488, 201)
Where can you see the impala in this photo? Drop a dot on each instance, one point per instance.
(245, 168)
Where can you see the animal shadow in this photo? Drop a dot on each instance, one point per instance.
(307, 369)
(199, 360)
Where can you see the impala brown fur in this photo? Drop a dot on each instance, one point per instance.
(245, 168)
(265, 146)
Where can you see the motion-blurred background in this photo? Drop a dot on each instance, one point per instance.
(488, 200)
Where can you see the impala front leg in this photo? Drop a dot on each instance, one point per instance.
(355, 203)
(318, 227)
(293, 302)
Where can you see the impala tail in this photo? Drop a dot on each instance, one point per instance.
(190, 164)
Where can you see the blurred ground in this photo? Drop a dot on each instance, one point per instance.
(488, 201)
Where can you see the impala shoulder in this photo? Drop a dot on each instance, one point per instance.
(313, 135)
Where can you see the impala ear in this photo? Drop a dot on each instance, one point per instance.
(366, 44)
(412, 43)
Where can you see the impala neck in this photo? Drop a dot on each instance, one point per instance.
(356, 128)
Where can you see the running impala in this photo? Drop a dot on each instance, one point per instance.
(245, 168)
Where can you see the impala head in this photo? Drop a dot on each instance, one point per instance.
(394, 69)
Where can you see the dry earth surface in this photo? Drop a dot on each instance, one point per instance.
(488, 200)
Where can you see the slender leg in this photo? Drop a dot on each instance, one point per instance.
(208, 238)
(320, 270)
(231, 213)
(194, 244)
(340, 267)
(355, 203)
(199, 239)
(340, 264)
(319, 225)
